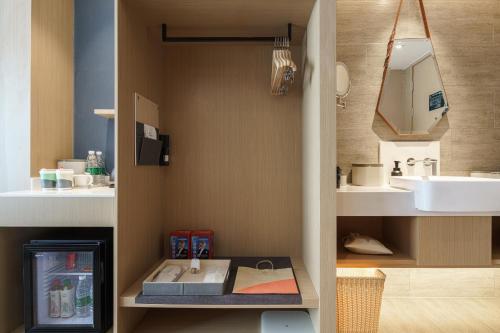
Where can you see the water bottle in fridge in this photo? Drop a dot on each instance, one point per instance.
(82, 297)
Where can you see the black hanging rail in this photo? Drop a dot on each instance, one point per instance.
(166, 39)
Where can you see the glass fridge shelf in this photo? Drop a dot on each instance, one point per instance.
(69, 273)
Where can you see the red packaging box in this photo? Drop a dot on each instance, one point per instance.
(180, 243)
(202, 244)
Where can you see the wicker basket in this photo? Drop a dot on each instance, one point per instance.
(359, 298)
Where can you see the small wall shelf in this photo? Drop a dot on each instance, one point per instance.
(309, 296)
(105, 113)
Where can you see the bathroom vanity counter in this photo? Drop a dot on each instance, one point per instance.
(385, 201)
(374, 201)
(73, 208)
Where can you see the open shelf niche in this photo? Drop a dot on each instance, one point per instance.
(244, 162)
(396, 233)
(309, 296)
(495, 241)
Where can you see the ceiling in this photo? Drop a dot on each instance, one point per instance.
(225, 17)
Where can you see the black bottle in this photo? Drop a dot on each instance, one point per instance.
(396, 171)
(339, 172)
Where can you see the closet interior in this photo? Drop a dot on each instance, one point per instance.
(238, 91)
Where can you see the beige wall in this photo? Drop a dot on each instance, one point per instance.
(236, 149)
(15, 34)
(52, 74)
(468, 54)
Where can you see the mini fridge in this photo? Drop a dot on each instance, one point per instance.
(68, 286)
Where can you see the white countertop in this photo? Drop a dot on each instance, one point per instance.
(384, 201)
(96, 192)
(369, 189)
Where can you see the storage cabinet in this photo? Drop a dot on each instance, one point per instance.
(454, 241)
(422, 241)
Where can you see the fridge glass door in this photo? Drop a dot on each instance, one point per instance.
(63, 288)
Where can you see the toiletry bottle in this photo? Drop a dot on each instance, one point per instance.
(339, 173)
(396, 171)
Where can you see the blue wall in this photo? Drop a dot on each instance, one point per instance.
(94, 78)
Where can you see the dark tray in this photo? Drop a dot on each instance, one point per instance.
(229, 298)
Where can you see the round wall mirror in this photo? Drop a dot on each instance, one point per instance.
(343, 83)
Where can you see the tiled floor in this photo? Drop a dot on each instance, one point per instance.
(440, 315)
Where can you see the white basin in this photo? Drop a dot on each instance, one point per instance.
(452, 194)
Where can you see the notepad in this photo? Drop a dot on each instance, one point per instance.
(265, 281)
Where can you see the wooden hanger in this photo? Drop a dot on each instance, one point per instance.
(283, 67)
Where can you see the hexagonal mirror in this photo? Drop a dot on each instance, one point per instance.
(412, 97)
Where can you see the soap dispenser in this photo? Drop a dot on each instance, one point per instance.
(396, 171)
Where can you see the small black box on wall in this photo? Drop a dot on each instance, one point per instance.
(165, 150)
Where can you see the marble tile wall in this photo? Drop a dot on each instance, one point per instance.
(466, 37)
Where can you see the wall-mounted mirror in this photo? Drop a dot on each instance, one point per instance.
(412, 98)
(343, 84)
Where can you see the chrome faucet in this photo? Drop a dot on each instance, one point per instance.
(426, 161)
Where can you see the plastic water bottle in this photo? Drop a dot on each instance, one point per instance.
(91, 297)
(82, 297)
(91, 164)
(99, 179)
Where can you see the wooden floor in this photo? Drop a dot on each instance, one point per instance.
(440, 315)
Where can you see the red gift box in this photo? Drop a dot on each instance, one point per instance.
(202, 244)
(180, 243)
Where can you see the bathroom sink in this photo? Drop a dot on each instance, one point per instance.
(452, 194)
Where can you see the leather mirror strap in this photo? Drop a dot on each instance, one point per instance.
(424, 19)
(394, 29)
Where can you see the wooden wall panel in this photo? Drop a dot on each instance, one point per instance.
(11, 275)
(52, 82)
(235, 163)
(140, 221)
(328, 137)
(454, 241)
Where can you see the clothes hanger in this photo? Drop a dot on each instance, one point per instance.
(283, 67)
(276, 67)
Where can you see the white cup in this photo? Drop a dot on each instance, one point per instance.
(35, 184)
(48, 179)
(83, 180)
(66, 179)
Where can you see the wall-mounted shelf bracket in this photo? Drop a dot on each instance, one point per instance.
(167, 39)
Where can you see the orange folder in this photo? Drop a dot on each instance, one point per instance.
(265, 281)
